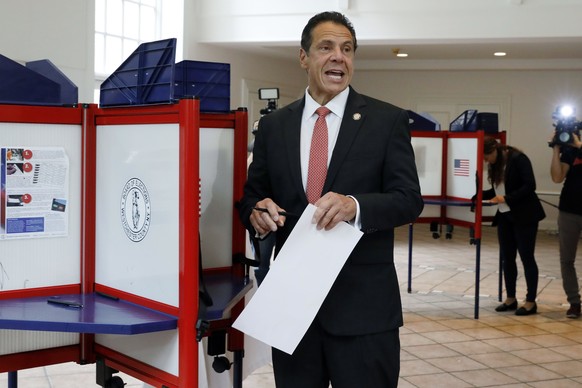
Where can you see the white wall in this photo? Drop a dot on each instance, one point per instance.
(249, 71)
(61, 31)
(530, 98)
(382, 20)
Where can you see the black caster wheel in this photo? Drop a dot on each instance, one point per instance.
(221, 364)
(449, 236)
(434, 228)
(115, 382)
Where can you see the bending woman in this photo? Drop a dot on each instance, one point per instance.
(518, 215)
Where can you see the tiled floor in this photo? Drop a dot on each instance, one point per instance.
(442, 344)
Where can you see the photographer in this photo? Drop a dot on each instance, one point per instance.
(567, 167)
(264, 247)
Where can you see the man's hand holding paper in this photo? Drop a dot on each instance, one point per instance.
(299, 280)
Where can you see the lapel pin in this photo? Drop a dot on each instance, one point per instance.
(357, 116)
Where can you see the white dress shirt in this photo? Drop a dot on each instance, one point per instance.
(337, 107)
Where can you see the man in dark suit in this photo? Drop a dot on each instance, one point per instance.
(371, 183)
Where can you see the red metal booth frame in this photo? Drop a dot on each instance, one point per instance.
(186, 113)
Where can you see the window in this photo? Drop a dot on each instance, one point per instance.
(122, 25)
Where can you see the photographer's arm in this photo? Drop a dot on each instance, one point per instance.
(558, 170)
(576, 143)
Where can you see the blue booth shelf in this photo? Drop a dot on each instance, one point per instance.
(98, 314)
(95, 313)
(226, 290)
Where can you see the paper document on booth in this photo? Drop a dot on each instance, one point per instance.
(287, 301)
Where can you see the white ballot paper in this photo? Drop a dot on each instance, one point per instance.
(284, 306)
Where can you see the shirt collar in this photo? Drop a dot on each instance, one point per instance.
(337, 105)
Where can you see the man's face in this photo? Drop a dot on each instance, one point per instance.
(329, 62)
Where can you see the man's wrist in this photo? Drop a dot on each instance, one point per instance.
(356, 221)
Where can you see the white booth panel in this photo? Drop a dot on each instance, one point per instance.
(428, 152)
(144, 263)
(54, 261)
(461, 168)
(216, 176)
(158, 349)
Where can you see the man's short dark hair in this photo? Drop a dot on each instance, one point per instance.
(334, 17)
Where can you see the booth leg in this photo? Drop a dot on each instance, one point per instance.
(477, 274)
(13, 379)
(435, 229)
(105, 378)
(500, 287)
(237, 369)
(449, 234)
(410, 230)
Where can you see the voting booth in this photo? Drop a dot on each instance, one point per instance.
(108, 214)
(450, 169)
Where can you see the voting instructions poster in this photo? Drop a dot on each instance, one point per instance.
(34, 184)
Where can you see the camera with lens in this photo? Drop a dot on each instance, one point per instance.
(271, 95)
(566, 125)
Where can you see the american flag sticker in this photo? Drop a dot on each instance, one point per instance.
(461, 167)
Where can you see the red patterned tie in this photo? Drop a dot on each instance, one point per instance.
(317, 157)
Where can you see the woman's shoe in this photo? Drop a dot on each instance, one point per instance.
(573, 311)
(523, 311)
(506, 307)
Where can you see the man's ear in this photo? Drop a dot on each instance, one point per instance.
(303, 57)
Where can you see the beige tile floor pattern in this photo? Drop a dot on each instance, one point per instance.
(442, 344)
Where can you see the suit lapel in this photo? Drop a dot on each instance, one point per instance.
(292, 134)
(354, 117)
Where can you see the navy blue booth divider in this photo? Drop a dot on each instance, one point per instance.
(37, 83)
(150, 76)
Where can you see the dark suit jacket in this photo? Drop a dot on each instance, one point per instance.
(373, 161)
(520, 191)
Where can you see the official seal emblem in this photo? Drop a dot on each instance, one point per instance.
(135, 210)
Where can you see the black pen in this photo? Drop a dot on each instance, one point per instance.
(68, 303)
(286, 214)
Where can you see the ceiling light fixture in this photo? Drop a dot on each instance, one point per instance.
(396, 51)
(500, 54)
